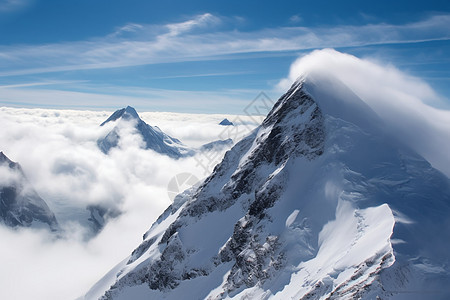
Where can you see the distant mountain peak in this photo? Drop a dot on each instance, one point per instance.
(154, 138)
(226, 122)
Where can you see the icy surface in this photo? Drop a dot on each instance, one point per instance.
(319, 202)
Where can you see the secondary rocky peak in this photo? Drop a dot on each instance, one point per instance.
(20, 205)
(5, 159)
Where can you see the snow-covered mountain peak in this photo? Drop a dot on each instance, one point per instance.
(226, 122)
(153, 137)
(311, 205)
(127, 113)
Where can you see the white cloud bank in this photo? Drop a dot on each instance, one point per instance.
(406, 103)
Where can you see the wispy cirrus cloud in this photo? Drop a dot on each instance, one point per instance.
(204, 38)
(39, 83)
(199, 22)
(126, 29)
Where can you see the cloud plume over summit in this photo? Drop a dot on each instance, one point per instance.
(410, 108)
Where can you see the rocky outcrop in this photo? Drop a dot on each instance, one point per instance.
(20, 205)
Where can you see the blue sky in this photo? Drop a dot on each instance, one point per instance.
(201, 56)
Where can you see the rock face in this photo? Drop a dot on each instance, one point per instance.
(319, 202)
(152, 136)
(20, 205)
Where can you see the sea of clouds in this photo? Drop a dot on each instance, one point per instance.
(58, 152)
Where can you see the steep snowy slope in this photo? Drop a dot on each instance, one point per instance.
(20, 205)
(319, 202)
(153, 137)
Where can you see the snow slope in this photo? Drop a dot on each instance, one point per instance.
(319, 202)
